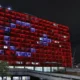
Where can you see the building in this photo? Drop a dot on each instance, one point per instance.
(26, 40)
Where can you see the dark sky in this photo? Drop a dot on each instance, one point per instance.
(65, 12)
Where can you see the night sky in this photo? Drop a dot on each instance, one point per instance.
(65, 12)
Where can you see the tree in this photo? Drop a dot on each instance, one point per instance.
(4, 68)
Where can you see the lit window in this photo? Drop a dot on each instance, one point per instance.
(18, 53)
(44, 35)
(32, 29)
(33, 50)
(33, 62)
(37, 42)
(40, 38)
(7, 38)
(9, 8)
(65, 36)
(7, 29)
(1, 51)
(56, 41)
(54, 24)
(12, 48)
(18, 22)
(18, 62)
(5, 47)
(60, 46)
(37, 63)
(13, 25)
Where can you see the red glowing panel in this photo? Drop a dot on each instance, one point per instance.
(33, 41)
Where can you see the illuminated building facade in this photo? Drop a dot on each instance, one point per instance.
(32, 41)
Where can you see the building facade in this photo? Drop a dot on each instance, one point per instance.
(26, 40)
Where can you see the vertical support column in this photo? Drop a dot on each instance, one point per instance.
(20, 78)
(50, 69)
(24, 67)
(57, 68)
(42, 69)
(65, 69)
(11, 77)
(34, 68)
(14, 66)
(2, 77)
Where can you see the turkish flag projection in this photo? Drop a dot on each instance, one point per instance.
(29, 40)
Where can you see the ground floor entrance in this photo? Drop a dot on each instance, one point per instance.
(15, 78)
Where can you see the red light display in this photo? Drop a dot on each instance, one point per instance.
(33, 41)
